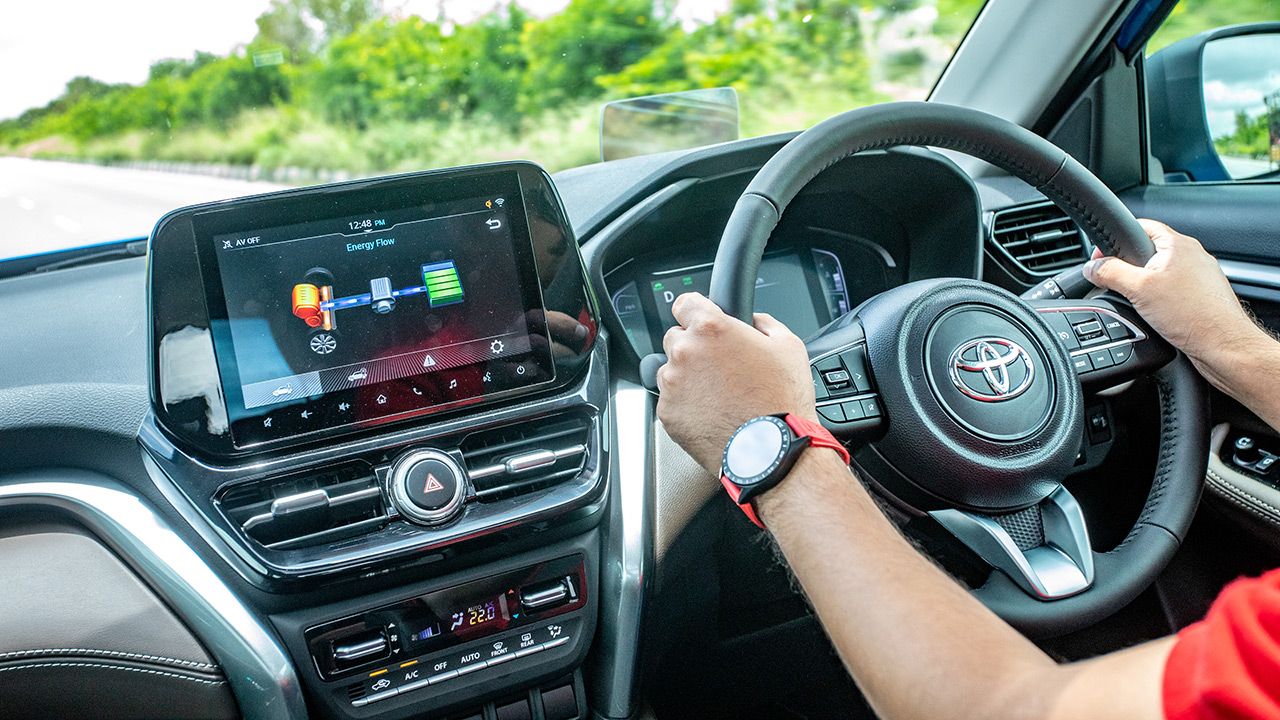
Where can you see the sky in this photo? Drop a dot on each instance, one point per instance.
(44, 44)
(1238, 73)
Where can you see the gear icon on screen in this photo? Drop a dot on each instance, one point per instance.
(496, 346)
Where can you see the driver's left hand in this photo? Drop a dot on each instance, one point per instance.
(721, 372)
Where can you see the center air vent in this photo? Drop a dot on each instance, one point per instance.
(1040, 239)
(309, 509)
(523, 458)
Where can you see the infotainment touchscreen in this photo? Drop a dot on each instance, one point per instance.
(361, 306)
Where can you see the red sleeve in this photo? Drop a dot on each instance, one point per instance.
(1227, 666)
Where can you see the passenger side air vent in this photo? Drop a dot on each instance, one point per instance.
(523, 458)
(309, 509)
(1040, 239)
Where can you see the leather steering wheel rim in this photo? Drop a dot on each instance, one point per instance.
(1125, 571)
(1010, 147)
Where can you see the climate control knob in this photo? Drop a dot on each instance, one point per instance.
(427, 486)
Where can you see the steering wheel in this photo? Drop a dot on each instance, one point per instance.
(970, 400)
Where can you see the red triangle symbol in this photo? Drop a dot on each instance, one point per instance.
(433, 484)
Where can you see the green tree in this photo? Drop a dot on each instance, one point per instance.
(567, 52)
(292, 23)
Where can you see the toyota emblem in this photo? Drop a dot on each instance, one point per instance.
(991, 369)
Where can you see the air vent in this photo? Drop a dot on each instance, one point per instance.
(523, 458)
(1040, 239)
(309, 509)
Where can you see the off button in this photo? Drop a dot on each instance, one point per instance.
(427, 486)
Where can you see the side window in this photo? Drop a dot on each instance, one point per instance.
(1213, 92)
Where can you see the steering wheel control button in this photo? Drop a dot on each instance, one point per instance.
(835, 412)
(837, 379)
(1061, 329)
(819, 387)
(1088, 331)
(1120, 355)
(852, 410)
(1116, 330)
(855, 361)
(427, 486)
(1081, 363)
(871, 408)
(1101, 359)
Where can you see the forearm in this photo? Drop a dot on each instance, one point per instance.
(1248, 369)
(917, 643)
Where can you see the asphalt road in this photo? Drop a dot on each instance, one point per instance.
(47, 206)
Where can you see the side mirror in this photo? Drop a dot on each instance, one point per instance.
(1214, 104)
(672, 121)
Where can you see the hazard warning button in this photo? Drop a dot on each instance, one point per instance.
(427, 486)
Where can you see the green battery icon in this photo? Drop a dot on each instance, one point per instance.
(444, 287)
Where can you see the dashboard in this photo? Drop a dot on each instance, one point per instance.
(397, 418)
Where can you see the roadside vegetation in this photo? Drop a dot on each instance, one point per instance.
(344, 85)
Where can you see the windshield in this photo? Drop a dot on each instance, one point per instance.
(125, 114)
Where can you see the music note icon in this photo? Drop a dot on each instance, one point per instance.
(453, 383)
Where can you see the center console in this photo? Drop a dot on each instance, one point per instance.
(382, 404)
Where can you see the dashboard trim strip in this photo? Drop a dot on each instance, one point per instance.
(630, 531)
(1248, 273)
(260, 674)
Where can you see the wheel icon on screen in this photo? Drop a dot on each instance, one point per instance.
(323, 343)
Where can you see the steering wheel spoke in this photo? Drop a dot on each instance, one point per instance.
(1044, 549)
(1108, 342)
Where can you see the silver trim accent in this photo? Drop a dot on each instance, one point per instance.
(628, 552)
(397, 486)
(529, 461)
(995, 369)
(260, 674)
(846, 398)
(1247, 273)
(1061, 567)
(542, 598)
(305, 501)
(372, 646)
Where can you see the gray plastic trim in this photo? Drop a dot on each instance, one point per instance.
(1247, 273)
(260, 674)
(628, 552)
(1060, 567)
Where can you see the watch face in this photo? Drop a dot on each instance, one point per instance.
(756, 449)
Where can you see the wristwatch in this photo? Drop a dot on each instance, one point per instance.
(762, 451)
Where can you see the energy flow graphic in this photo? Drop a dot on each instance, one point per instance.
(313, 301)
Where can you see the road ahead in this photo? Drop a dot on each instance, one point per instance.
(48, 206)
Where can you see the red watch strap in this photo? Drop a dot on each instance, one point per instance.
(818, 435)
(735, 492)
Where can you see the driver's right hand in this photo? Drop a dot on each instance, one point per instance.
(1183, 294)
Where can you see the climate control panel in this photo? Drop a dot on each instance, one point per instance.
(416, 633)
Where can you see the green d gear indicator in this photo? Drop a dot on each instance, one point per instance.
(444, 287)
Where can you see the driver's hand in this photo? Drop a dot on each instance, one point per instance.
(1181, 292)
(721, 372)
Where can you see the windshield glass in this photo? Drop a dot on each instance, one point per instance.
(118, 117)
